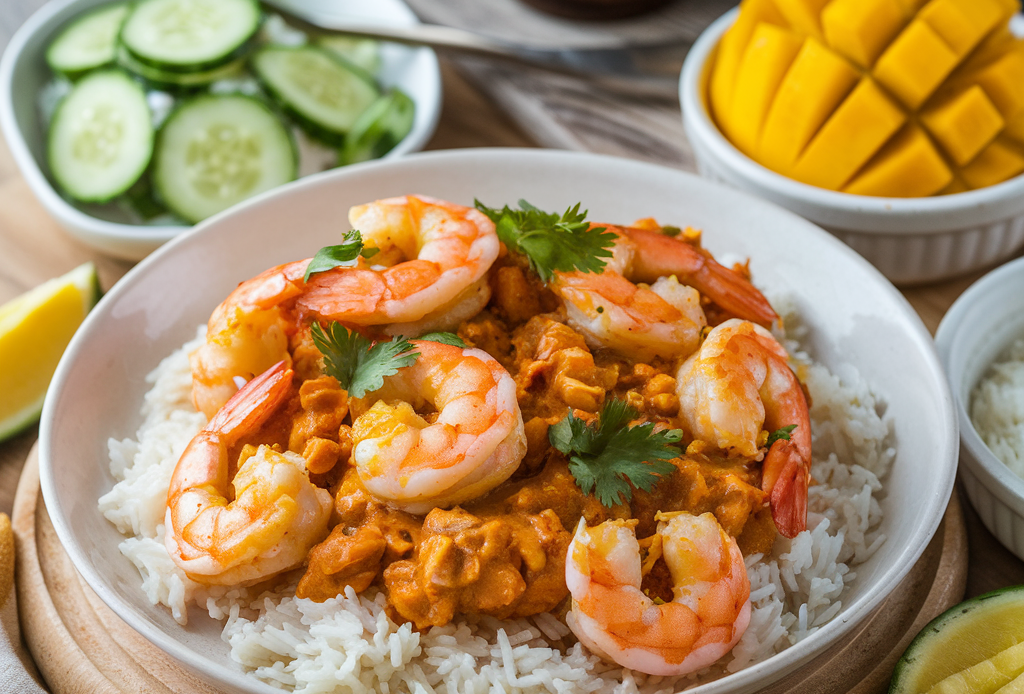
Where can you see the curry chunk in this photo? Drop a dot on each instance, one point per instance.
(554, 370)
(504, 566)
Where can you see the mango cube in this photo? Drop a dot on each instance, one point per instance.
(861, 29)
(730, 53)
(769, 54)
(962, 24)
(964, 124)
(857, 129)
(915, 64)
(907, 167)
(996, 163)
(814, 86)
(803, 15)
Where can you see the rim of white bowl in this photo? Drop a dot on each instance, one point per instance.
(784, 662)
(101, 232)
(861, 213)
(949, 340)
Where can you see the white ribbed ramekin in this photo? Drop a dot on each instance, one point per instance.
(911, 240)
(982, 323)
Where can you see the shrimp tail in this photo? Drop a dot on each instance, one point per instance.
(784, 480)
(659, 256)
(254, 402)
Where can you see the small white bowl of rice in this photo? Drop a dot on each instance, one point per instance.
(119, 412)
(981, 344)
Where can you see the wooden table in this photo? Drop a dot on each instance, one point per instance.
(33, 248)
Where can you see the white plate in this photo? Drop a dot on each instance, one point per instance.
(857, 317)
(23, 72)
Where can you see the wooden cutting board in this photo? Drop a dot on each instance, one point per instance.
(82, 647)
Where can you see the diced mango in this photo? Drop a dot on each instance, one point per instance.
(907, 167)
(910, 6)
(955, 186)
(814, 86)
(996, 163)
(986, 676)
(1003, 82)
(730, 53)
(861, 29)
(770, 53)
(857, 129)
(962, 24)
(964, 124)
(915, 64)
(882, 97)
(804, 16)
(1014, 129)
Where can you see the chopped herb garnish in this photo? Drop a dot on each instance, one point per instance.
(550, 242)
(669, 230)
(330, 257)
(444, 338)
(608, 456)
(780, 434)
(359, 364)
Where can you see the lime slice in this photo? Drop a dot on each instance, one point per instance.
(34, 330)
(968, 648)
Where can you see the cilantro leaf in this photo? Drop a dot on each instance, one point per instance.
(444, 338)
(552, 243)
(359, 364)
(330, 257)
(780, 434)
(607, 457)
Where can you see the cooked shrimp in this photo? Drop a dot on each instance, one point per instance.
(475, 443)
(657, 255)
(664, 319)
(737, 385)
(429, 275)
(273, 517)
(613, 617)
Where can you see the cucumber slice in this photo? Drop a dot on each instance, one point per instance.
(190, 35)
(381, 126)
(363, 53)
(101, 137)
(214, 151)
(322, 92)
(88, 42)
(178, 80)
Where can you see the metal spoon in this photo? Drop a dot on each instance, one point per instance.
(641, 72)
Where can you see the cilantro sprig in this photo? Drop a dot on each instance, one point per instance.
(608, 456)
(552, 243)
(359, 364)
(779, 434)
(330, 257)
(444, 338)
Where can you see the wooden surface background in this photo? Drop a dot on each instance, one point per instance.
(33, 248)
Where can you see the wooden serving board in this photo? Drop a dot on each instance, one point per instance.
(82, 647)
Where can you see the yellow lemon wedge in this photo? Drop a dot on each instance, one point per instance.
(34, 330)
(976, 647)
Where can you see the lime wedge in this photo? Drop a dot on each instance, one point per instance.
(971, 647)
(34, 330)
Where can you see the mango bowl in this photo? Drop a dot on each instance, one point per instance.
(911, 240)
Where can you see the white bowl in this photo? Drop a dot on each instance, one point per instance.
(23, 71)
(911, 240)
(855, 315)
(979, 326)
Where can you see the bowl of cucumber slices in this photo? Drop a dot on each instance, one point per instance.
(133, 120)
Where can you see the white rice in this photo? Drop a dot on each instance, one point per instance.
(349, 644)
(997, 408)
